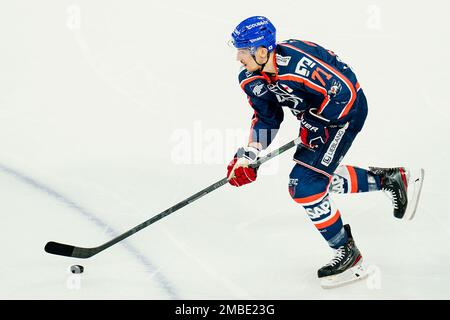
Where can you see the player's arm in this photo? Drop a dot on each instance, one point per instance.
(267, 115)
(265, 123)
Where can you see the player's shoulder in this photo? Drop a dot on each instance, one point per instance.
(296, 45)
(289, 52)
(285, 58)
(253, 83)
(247, 78)
(301, 48)
(246, 75)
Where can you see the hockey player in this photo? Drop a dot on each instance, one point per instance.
(324, 94)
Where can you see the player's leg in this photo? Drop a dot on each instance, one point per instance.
(401, 184)
(310, 189)
(352, 179)
(314, 171)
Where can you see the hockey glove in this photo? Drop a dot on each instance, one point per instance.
(313, 129)
(238, 170)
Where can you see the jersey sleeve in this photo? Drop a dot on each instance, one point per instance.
(267, 115)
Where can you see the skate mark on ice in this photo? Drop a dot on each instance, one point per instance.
(148, 265)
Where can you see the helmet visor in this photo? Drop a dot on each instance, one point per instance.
(232, 44)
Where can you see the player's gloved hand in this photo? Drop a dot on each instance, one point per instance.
(313, 129)
(238, 170)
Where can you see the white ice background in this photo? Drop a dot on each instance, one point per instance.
(94, 95)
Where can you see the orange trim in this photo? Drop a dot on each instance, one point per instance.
(309, 43)
(353, 179)
(336, 72)
(306, 82)
(246, 81)
(357, 86)
(312, 198)
(328, 223)
(266, 77)
(324, 104)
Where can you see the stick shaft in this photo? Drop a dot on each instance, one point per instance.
(79, 252)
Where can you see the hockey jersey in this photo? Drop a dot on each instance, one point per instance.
(308, 76)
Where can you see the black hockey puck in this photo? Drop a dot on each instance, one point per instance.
(76, 269)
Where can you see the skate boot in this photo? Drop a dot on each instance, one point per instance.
(345, 267)
(403, 186)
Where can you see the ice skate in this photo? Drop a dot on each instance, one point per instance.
(403, 186)
(345, 267)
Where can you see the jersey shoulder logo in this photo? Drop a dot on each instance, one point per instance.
(283, 61)
(258, 88)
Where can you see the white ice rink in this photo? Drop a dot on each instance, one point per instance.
(97, 99)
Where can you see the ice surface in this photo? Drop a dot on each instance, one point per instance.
(95, 95)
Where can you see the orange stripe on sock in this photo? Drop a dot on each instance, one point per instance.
(353, 179)
(329, 222)
(312, 198)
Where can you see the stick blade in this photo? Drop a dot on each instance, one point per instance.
(59, 249)
(66, 250)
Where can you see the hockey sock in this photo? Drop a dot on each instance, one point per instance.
(351, 179)
(327, 219)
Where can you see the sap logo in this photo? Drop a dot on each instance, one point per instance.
(293, 182)
(258, 89)
(337, 184)
(283, 61)
(257, 24)
(323, 209)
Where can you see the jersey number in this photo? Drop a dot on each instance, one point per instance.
(306, 67)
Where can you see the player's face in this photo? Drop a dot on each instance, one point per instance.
(244, 56)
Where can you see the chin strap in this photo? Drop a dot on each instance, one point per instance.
(262, 65)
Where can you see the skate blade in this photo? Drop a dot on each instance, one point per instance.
(353, 274)
(414, 190)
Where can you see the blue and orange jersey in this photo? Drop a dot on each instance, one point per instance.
(308, 76)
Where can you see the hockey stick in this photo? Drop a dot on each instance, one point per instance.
(79, 252)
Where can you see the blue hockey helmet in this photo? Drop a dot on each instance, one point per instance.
(254, 32)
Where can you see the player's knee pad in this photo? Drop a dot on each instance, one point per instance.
(307, 186)
(310, 189)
